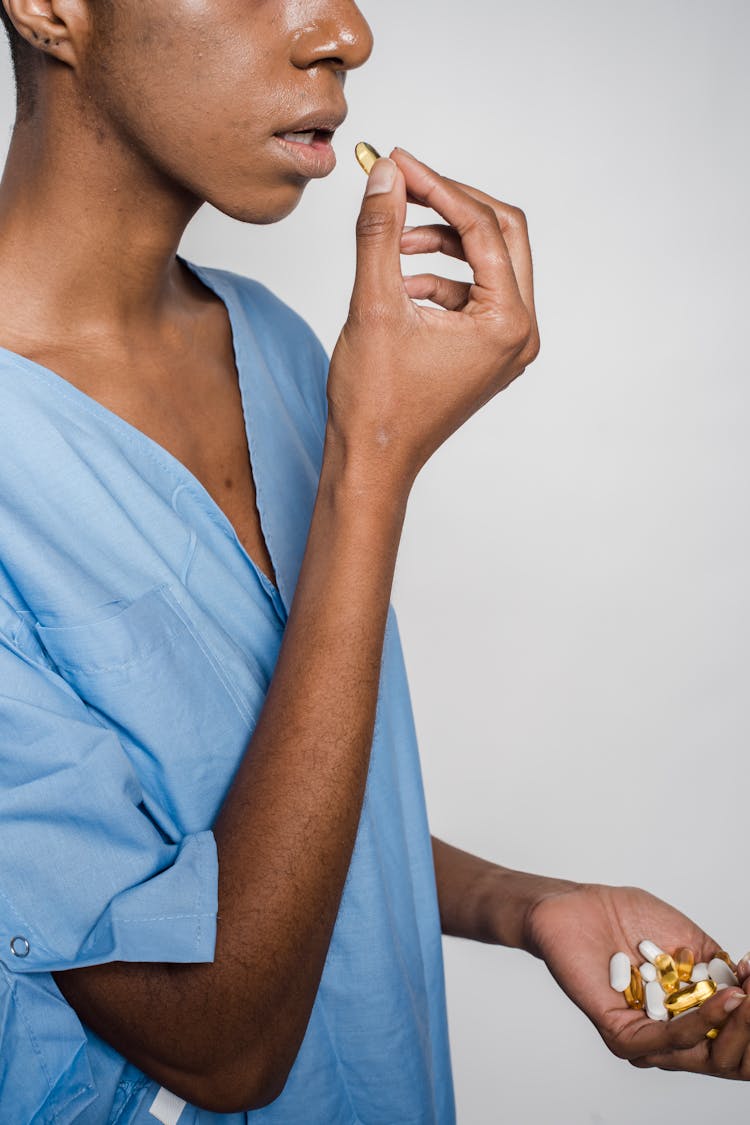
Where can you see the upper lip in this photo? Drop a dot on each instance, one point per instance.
(322, 120)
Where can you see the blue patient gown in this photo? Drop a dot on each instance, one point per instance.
(137, 643)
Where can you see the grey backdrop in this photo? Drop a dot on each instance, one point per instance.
(571, 587)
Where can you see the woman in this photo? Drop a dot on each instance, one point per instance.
(219, 891)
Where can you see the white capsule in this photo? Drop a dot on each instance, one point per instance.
(719, 971)
(619, 972)
(648, 971)
(655, 1009)
(700, 972)
(650, 951)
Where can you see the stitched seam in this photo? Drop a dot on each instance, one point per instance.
(210, 656)
(60, 1109)
(23, 923)
(162, 918)
(33, 1041)
(130, 1089)
(93, 669)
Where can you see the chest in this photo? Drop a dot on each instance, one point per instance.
(202, 424)
(195, 412)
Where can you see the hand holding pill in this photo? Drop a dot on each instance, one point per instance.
(403, 376)
(670, 1001)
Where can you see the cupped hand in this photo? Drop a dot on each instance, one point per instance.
(576, 932)
(404, 376)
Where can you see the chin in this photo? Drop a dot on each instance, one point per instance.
(276, 205)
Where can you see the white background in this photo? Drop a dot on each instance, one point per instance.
(572, 584)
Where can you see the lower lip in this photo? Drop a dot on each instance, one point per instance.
(317, 159)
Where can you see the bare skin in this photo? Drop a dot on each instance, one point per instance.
(99, 186)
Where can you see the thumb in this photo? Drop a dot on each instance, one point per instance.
(379, 226)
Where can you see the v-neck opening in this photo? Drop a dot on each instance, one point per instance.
(227, 299)
(115, 420)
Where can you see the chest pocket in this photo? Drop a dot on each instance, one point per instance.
(144, 671)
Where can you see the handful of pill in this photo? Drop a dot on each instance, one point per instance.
(670, 986)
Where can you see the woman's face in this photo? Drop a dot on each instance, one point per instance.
(201, 90)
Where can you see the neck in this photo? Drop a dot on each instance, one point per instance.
(89, 229)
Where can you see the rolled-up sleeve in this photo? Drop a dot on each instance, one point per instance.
(86, 875)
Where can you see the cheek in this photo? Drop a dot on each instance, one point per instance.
(204, 118)
(196, 89)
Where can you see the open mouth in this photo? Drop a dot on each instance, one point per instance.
(315, 138)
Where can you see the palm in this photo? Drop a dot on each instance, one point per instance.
(577, 932)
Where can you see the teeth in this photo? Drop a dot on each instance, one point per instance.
(300, 138)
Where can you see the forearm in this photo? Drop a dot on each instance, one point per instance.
(484, 901)
(286, 830)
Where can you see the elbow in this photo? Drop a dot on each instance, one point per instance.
(242, 1097)
(236, 1088)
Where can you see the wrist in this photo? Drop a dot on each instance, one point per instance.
(373, 473)
(511, 898)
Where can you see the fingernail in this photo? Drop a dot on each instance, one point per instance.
(407, 229)
(382, 177)
(745, 958)
(734, 1001)
(405, 152)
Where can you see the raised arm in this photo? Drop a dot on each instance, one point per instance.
(224, 1035)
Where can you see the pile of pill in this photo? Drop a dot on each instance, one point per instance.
(670, 986)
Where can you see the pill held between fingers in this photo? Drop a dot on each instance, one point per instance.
(619, 971)
(700, 971)
(647, 971)
(655, 1001)
(712, 1033)
(649, 951)
(719, 971)
(366, 155)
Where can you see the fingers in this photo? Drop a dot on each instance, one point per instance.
(433, 239)
(730, 1051)
(728, 1055)
(695, 1060)
(378, 280)
(649, 1039)
(516, 234)
(475, 222)
(452, 295)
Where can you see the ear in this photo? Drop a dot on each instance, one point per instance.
(52, 26)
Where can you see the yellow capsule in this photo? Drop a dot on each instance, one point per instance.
(724, 956)
(666, 972)
(366, 155)
(634, 992)
(692, 996)
(712, 1033)
(684, 960)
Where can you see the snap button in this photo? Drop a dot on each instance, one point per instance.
(19, 946)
